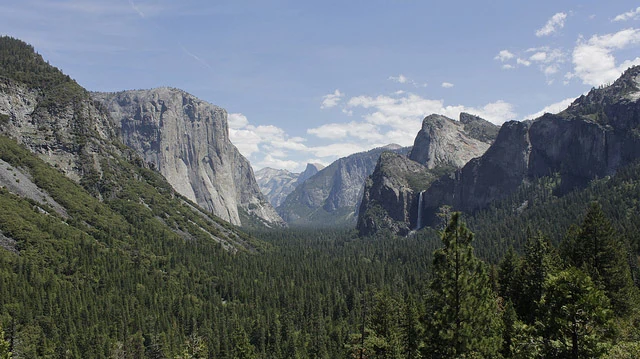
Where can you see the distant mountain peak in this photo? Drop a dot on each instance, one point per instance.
(392, 147)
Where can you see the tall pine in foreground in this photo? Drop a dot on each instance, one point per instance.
(602, 252)
(464, 319)
(575, 317)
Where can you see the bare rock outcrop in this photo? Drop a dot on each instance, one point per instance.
(187, 140)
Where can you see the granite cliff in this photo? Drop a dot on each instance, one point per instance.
(61, 151)
(392, 193)
(332, 196)
(445, 142)
(187, 141)
(594, 137)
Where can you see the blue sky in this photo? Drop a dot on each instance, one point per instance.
(311, 81)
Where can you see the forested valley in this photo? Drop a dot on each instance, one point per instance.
(119, 265)
(558, 279)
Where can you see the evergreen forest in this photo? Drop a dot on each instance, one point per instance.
(536, 275)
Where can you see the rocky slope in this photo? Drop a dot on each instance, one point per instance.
(598, 134)
(60, 150)
(389, 200)
(276, 184)
(187, 140)
(332, 196)
(392, 193)
(445, 142)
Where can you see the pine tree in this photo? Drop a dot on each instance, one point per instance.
(464, 319)
(242, 347)
(411, 331)
(575, 316)
(509, 276)
(384, 341)
(596, 247)
(4, 346)
(537, 263)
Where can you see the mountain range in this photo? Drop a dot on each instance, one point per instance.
(64, 151)
(276, 184)
(595, 136)
(332, 196)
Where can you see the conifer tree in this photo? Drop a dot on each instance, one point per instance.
(464, 319)
(575, 316)
(537, 263)
(411, 331)
(509, 276)
(597, 248)
(4, 346)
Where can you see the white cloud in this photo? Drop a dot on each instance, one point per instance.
(553, 108)
(270, 161)
(360, 130)
(447, 85)
(399, 79)
(594, 62)
(550, 70)
(332, 99)
(402, 79)
(237, 120)
(497, 112)
(555, 23)
(523, 62)
(538, 56)
(504, 55)
(629, 15)
(337, 150)
(508, 67)
(246, 141)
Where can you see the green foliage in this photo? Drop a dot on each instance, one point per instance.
(4, 346)
(597, 248)
(464, 319)
(537, 264)
(624, 350)
(575, 316)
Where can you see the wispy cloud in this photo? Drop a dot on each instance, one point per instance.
(504, 55)
(629, 15)
(554, 24)
(136, 9)
(402, 79)
(447, 85)
(197, 58)
(332, 99)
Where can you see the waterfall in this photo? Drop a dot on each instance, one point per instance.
(419, 221)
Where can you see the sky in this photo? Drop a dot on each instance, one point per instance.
(312, 81)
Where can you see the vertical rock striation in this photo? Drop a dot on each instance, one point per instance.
(392, 194)
(187, 140)
(594, 137)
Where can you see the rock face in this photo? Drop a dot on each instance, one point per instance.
(594, 137)
(187, 140)
(445, 142)
(390, 199)
(310, 171)
(391, 195)
(97, 184)
(276, 184)
(70, 135)
(332, 196)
